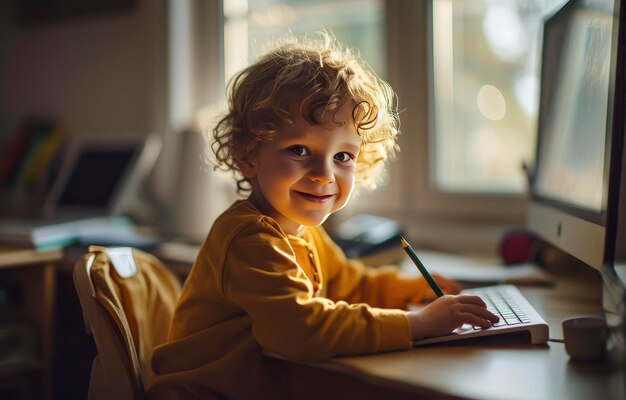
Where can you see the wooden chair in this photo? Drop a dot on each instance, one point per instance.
(128, 298)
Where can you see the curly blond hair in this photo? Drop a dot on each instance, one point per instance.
(321, 76)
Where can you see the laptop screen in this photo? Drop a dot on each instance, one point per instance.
(95, 177)
(97, 173)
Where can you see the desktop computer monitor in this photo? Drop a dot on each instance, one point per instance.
(574, 186)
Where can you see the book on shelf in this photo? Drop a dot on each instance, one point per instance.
(28, 155)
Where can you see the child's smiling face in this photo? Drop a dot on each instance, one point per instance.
(306, 172)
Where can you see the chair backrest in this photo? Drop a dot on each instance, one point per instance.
(128, 298)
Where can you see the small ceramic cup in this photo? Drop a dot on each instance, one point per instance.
(585, 337)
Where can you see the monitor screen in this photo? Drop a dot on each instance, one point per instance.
(573, 149)
(570, 185)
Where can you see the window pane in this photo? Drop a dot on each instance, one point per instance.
(485, 92)
(251, 24)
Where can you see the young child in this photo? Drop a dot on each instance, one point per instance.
(305, 123)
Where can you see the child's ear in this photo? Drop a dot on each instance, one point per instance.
(247, 167)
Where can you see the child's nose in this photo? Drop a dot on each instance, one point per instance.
(321, 171)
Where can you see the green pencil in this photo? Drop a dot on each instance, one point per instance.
(409, 250)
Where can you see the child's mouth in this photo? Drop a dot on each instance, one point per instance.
(313, 197)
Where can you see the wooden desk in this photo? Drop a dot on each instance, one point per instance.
(477, 370)
(32, 276)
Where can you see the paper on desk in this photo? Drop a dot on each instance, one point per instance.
(477, 270)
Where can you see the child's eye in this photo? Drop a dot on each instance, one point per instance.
(344, 157)
(299, 150)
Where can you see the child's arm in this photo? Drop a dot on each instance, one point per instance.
(447, 313)
(262, 279)
(353, 282)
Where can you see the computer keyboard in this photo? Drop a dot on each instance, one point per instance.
(515, 312)
(500, 302)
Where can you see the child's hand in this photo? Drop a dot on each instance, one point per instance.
(447, 313)
(448, 286)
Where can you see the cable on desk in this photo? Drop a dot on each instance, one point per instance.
(556, 340)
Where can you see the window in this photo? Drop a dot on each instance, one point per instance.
(251, 24)
(437, 208)
(485, 76)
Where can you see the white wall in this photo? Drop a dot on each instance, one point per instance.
(98, 74)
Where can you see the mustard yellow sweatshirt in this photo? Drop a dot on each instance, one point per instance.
(255, 289)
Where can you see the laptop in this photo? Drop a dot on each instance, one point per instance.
(97, 178)
(98, 174)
